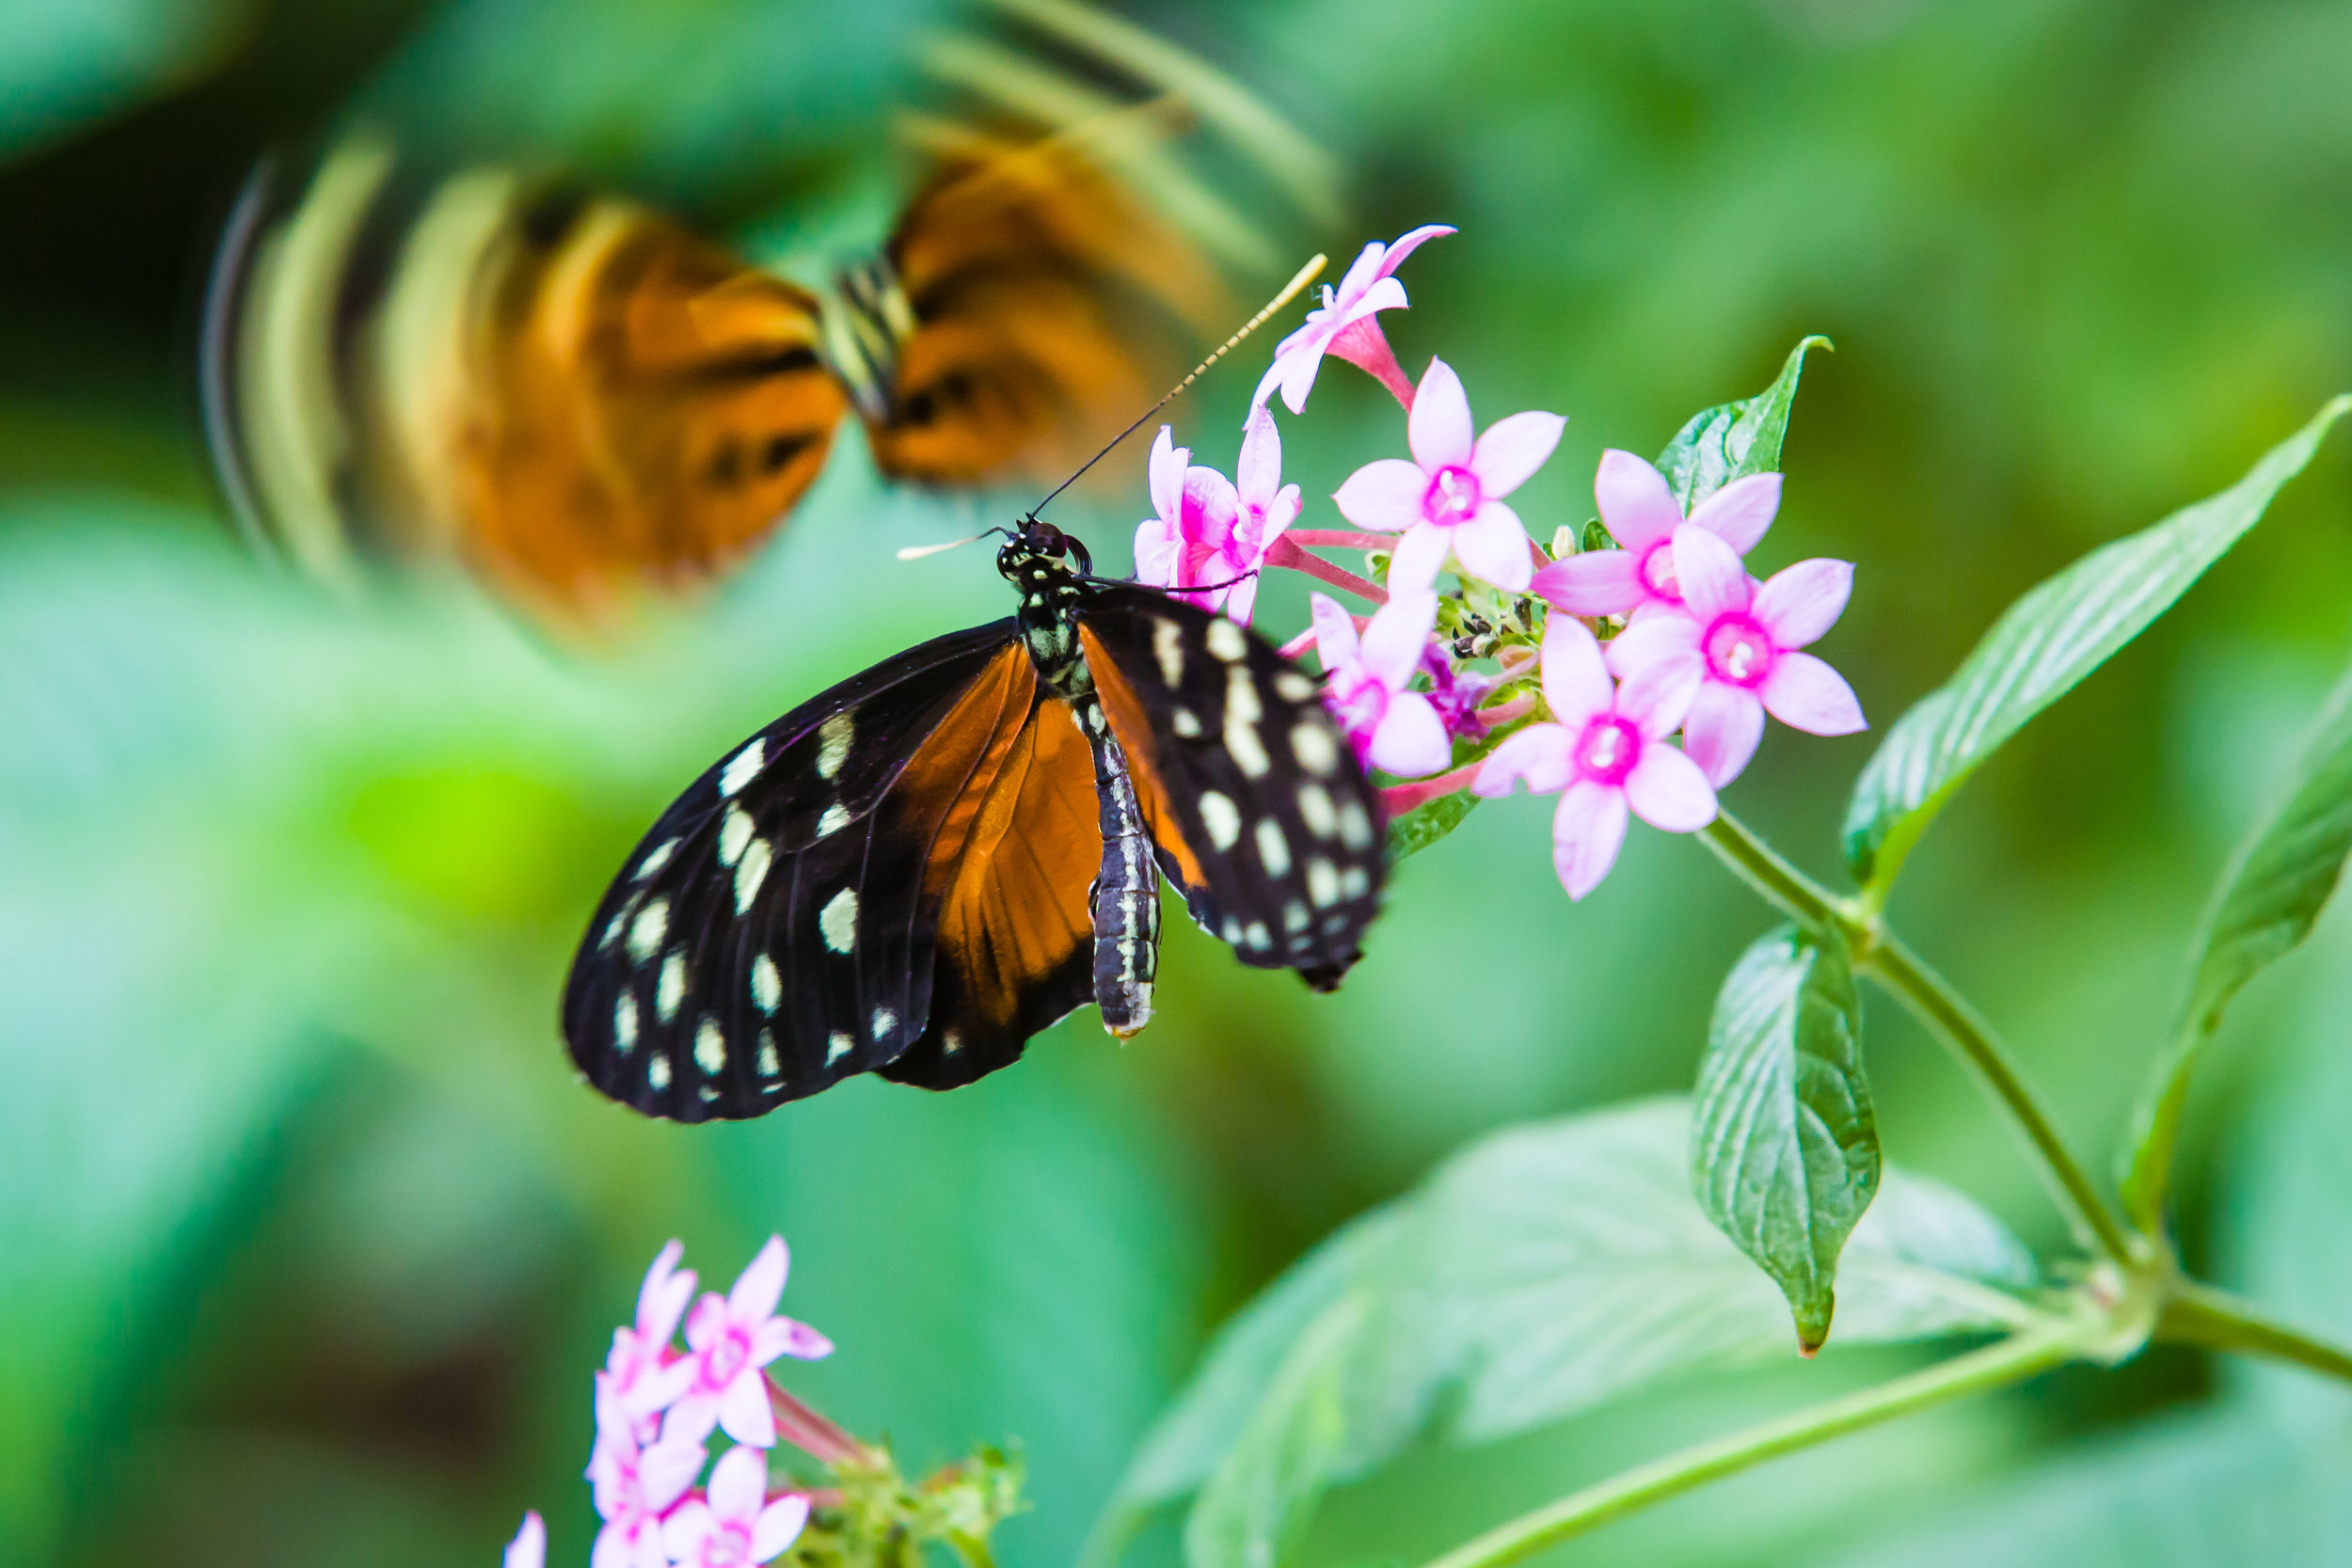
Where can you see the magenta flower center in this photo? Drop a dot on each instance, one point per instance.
(727, 1359)
(1608, 748)
(729, 1544)
(1453, 496)
(1658, 572)
(1739, 651)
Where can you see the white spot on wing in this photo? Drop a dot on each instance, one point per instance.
(1247, 749)
(1354, 827)
(1241, 696)
(952, 1042)
(1354, 883)
(753, 872)
(766, 985)
(1314, 804)
(1313, 745)
(1256, 934)
(885, 1021)
(1227, 642)
(769, 1066)
(839, 1046)
(832, 743)
(832, 820)
(655, 862)
(1274, 850)
(651, 926)
(837, 921)
(1293, 687)
(735, 832)
(1167, 646)
(625, 1023)
(1221, 818)
(1294, 916)
(710, 1049)
(658, 1071)
(1322, 882)
(1184, 723)
(671, 990)
(743, 768)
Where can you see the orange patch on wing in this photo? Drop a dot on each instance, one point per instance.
(638, 408)
(1016, 908)
(1134, 730)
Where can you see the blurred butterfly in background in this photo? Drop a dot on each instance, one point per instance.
(586, 403)
(916, 871)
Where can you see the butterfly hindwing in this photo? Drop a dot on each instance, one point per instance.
(773, 932)
(1262, 818)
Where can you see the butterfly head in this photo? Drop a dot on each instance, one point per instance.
(1039, 544)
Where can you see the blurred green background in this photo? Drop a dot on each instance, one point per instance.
(308, 1237)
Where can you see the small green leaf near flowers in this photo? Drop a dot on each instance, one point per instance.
(1733, 440)
(2040, 648)
(2272, 892)
(1784, 1142)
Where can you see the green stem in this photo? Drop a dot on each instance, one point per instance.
(1878, 952)
(2012, 1360)
(2196, 1314)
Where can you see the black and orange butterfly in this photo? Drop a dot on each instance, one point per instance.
(585, 402)
(916, 871)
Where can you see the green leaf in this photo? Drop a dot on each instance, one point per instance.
(1784, 1146)
(2042, 645)
(1262, 1496)
(1733, 440)
(1541, 1272)
(1422, 827)
(2266, 902)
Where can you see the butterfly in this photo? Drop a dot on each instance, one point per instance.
(584, 401)
(916, 871)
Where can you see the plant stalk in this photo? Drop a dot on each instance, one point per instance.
(1880, 953)
(2012, 1360)
(2194, 1314)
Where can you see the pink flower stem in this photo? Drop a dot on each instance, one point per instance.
(801, 1427)
(1284, 553)
(1399, 798)
(1341, 539)
(1502, 713)
(1363, 345)
(1298, 645)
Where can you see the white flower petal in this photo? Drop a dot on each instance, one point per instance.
(1635, 504)
(1667, 790)
(1576, 681)
(1411, 740)
(1384, 495)
(1587, 830)
(1493, 547)
(1741, 511)
(1439, 428)
(1509, 454)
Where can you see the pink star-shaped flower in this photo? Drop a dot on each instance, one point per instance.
(733, 1340)
(1211, 533)
(1347, 324)
(1449, 497)
(1171, 546)
(636, 1490)
(1641, 515)
(1393, 728)
(1604, 752)
(1742, 641)
(735, 1525)
(529, 1549)
(642, 1375)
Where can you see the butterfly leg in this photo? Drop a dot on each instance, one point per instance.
(1126, 895)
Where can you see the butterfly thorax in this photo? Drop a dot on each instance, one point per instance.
(1035, 561)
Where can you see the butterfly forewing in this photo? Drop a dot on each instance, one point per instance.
(1261, 813)
(771, 935)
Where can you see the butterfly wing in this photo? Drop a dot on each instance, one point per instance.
(578, 398)
(1262, 818)
(1046, 302)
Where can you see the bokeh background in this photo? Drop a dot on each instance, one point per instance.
(308, 1237)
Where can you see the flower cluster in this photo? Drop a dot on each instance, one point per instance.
(658, 1407)
(1604, 657)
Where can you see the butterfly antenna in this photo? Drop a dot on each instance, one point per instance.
(1305, 276)
(916, 552)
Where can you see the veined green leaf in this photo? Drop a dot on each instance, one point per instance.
(1541, 1272)
(2266, 902)
(1260, 1499)
(1422, 827)
(1784, 1144)
(2047, 641)
(1733, 440)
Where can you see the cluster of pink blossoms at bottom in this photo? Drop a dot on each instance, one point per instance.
(658, 1407)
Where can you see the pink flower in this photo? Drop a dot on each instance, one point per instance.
(1392, 728)
(1449, 497)
(1605, 751)
(529, 1549)
(642, 1375)
(736, 1526)
(1347, 324)
(1456, 693)
(1742, 641)
(1641, 515)
(1172, 547)
(1261, 507)
(1210, 531)
(732, 1340)
(636, 1490)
